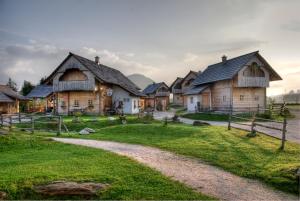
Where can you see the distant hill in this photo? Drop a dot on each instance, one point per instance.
(140, 80)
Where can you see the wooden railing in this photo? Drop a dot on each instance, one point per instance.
(162, 94)
(176, 91)
(253, 82)
(73, 85)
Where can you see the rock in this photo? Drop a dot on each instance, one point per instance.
(86, 131)
(90, 130)
(3, 132)
(200, 123)
(3, 195)
(111, 118)
(59, 188)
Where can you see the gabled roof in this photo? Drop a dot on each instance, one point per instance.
(227, 70)
(40, 91)
(178, 79)
(151, 88)
(196, 89)
(11, 93)
(103, 74)
(5, 99)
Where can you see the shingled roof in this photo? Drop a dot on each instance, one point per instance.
(151, 88)
(11, 93)
(40, 91)
(196, 89)
(105, 74)
(228, 69)
(5, 99)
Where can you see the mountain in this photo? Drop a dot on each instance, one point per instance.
(140, 80)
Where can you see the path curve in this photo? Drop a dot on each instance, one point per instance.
(198, 175)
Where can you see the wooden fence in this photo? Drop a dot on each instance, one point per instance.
(256, 121)
(32, 122)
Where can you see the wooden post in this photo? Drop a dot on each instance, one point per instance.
(229, 118)
(10, 123)
(32, 124)
(253, 131)
(257, 108)
(59, 126)
(1, 119)
(19, 117)
(283, 133)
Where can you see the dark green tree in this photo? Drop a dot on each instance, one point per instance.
(26, 88)
(12, 84)
(42, 80)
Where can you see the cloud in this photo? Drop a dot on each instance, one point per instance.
(293, 25)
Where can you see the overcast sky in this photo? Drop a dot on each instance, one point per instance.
(159, 38)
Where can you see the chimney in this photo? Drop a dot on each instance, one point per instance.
(224, 58)
(97, 60)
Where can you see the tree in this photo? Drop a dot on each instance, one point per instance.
(42, 80)
(26, 88)
(12, 84)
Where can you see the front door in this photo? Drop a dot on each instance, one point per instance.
(205, 101)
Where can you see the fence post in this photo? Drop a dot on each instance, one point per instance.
(59, 126)
(19, 117)
(253, 131)
(283, 133)
(229, 118)
(32, 124)
(1, 119)
(257, 108)
(10, 123)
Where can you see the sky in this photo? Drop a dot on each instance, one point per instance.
(162, 39)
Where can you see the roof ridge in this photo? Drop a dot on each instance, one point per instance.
(254, 52)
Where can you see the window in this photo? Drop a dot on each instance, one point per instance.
(256, 98)
(63, 104)
(224, 98)
(76, 103)
(90, 103)
(253, 71)
(242, 97)
(192, 100)
(126, 99)
(134, 104)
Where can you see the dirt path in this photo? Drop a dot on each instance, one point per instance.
(194, 173)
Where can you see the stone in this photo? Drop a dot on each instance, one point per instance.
(3, 195)
(84, 132)
(90, 130)
(200, 123)
(61, 188)
(111, 118)
(3, 132)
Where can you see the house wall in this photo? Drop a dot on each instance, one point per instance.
(218, 91)
(9, 108)
(130, 103)
(192, 105)
(177, 99)
(252, 97)
(185, 83)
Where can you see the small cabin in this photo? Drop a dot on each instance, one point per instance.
(157, 96)
(9, 100)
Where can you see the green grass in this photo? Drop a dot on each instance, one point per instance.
(224, 117)
(28, 160)
(257, 157)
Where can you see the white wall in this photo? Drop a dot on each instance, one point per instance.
(192, 106)
(120, 94)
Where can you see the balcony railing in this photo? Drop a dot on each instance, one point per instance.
(176, 91)
(253, 82)
(162, 94)
(73, 86)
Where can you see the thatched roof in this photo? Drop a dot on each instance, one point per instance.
(40, 91)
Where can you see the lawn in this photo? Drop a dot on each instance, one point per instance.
(27, 160)
(257, 157)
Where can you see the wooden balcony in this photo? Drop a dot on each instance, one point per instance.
(73, 86)
(176, 91)
(253, 82)
(162, 94)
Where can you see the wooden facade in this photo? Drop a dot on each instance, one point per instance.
(158, 96)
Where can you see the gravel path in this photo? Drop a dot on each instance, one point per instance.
(194, 173)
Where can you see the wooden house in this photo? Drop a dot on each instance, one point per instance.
(80, 84)
(180, 86)
(239, 82)
(9, 100)
(157, 96)
(42, 99)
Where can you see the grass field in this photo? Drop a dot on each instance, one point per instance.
(257, 157)
(28, 160)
